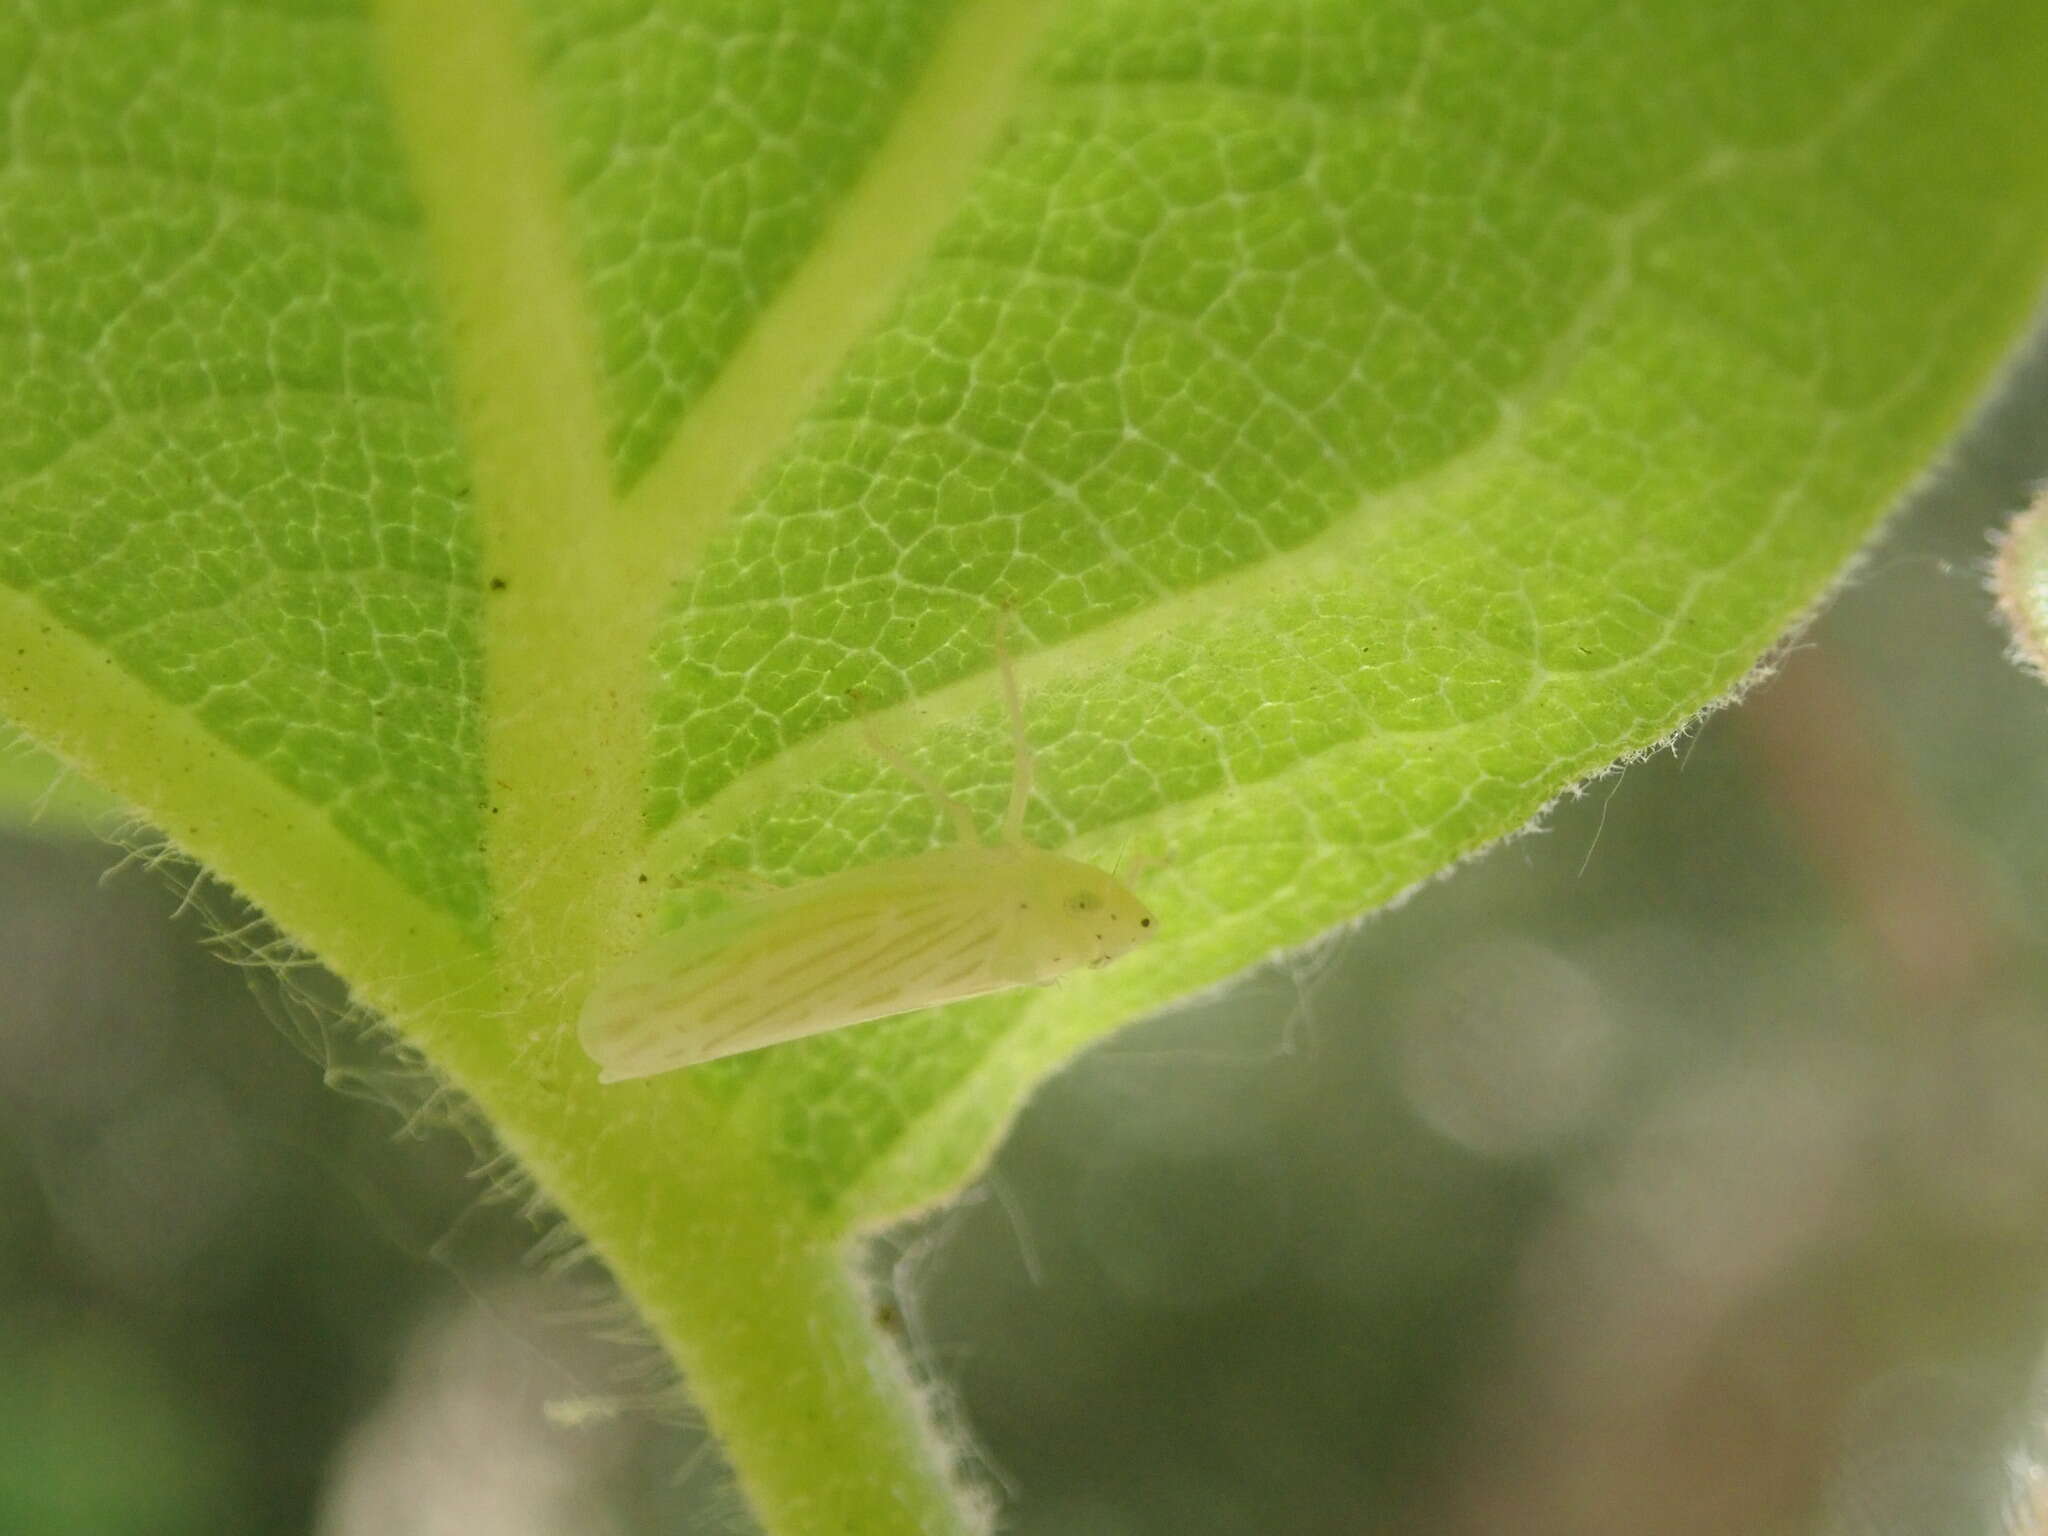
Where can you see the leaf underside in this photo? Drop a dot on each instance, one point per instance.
(459, 461)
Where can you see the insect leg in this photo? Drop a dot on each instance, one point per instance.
(733, 882)
(1020, 782)
(1131, 868)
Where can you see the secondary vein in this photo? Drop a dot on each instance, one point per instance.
(878, 235)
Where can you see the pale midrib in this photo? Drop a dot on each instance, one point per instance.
(571, 592)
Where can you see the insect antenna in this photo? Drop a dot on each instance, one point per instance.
(962, 818)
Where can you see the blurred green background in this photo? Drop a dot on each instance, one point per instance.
(1680, 1169)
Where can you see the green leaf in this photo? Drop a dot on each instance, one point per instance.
(463, 464)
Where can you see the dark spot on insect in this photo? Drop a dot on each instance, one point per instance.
(1144, 922)
(499, 583)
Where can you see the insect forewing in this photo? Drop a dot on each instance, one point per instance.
(868, 943)
(837, 951)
